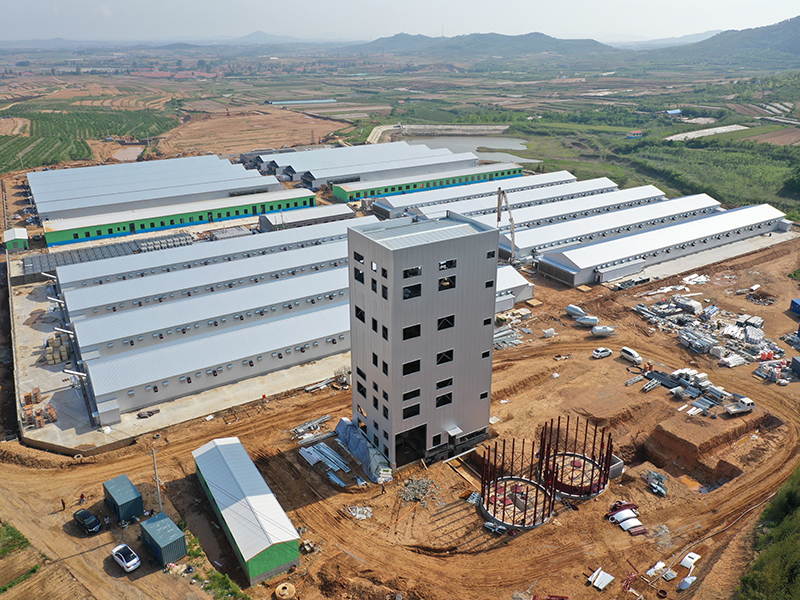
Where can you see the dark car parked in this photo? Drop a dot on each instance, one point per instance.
(87, 521)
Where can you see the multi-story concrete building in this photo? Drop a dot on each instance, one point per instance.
(422, 297)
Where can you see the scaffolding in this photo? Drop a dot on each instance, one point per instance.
(578, 459)
(510, 492)
(519, 485)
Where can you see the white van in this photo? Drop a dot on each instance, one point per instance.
(631, 355)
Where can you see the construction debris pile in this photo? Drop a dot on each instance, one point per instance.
(509, 330)
(312, 431)
(778, 371)
(418, 489)
(734, 339)
(360, 512)
(330, 458)
(626, 515)
(699, 393)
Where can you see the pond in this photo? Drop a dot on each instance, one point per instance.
(128, 153)
(470, 143)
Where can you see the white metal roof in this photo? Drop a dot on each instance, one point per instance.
(250, 509)
(120, 372)
(198, 309)
(429, 163)
(403, 233)
(153, 170)
(15, 233)
(544, 235)
(159, 212)
(108, 180)
(353, 155)
(602, 253)
(197, 253)
(174, 283)
(488, 204)
(359, 186)
(182, 194)
(542, 213)
(472, 190)
(299, 215)
(508, 278)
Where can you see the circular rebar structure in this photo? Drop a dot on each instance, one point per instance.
(510, 494)
(577, 460)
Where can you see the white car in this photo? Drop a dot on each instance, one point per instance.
(126, 558)
(631, 355)
(602, 352)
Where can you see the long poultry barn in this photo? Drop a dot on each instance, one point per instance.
(607, 260)
(533, 241)
(263, 538)
(396, 206)
(116, 200)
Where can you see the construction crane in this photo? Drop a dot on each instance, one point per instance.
(502, 197)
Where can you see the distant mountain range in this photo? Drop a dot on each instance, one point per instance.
(773, 47)
(477, 45)
(642, 44)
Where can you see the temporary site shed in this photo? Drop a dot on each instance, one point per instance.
(123, 498)
(262, 536)
(163, 539)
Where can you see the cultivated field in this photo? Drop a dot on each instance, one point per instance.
(241, 132)
(785, 137)
(15, 126)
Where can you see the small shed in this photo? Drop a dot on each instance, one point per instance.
(16, 239)
(263, 538)
(163, 539)
(123, 498)
(795, 306)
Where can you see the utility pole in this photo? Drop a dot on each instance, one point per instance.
(158, 481)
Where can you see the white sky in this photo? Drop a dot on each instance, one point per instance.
(345, 20)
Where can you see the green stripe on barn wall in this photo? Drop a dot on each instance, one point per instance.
(109, 230)
(273, 560)
(426, 184)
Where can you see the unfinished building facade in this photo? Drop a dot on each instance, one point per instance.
(422, 298)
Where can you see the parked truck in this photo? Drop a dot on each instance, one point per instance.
(742, 405)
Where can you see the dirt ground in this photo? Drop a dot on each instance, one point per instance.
(242, 132)
(442, 551)
(784, 137)
(15, 126)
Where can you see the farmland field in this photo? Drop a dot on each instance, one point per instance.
(18, 152)
(83, 124)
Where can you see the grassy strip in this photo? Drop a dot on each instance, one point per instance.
(773, 575)
(221, 586)
(20, 579)
(11, 540)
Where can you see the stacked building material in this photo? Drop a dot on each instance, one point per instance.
(753, 335)
(687, 305)
(697, 340)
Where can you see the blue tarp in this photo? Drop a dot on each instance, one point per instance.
(375, 465)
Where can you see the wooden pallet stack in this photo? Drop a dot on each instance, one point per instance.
(50, 413)
(57, 350)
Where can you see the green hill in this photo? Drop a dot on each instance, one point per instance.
(771, 47)
(481, 45)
